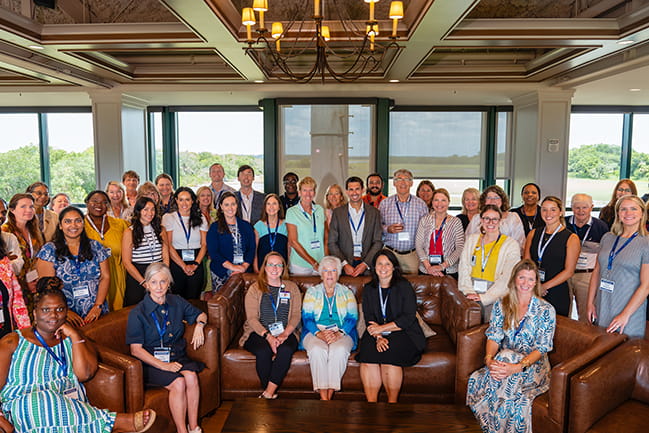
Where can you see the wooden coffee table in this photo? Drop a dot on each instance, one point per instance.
(290, 415)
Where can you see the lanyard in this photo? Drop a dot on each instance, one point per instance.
(520, 327)
(272, 237)
(162, 329)
(28, 241)
(236, 236)
(407, 205)
(103, 222)
(485, 259)
(273, 303)
(306, 215)
(531, 223)
(188, 233)
(360, 223)
(438, 233)
(330, 304)
(542, 246)
(384, 304)
(577, 232)
(150, 242)
(61, 360)
(613, 254)
(166, 208)
(216, 196)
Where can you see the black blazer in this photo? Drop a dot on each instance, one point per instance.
(257, 206)
(403, 306)
(341, 241)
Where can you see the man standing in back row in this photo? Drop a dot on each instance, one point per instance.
(290, 196)
(400, 215)
(217, 174)
(251, 202)
(374, 194)
(355, 231)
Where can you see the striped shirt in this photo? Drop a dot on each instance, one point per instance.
(149, 250)
(452, 241)
(267, 312)
(411, 211)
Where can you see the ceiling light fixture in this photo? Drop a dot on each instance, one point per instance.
(626, 42)
(35, 47)
(344, 49)
(635, 89)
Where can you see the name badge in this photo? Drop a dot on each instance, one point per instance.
(480, 286)
(81, 292)
(237, 259)
(276, 328)
(162, 354)
(385, 333)
(72, 393)
(31, 275)
(285, 295)
(582, 261)
(607, 285)
(542, 275)
(358, 250)
(315, 245)
(434, 259)
(2, 315)
(333, 327)
(403, 237)
(188, 255)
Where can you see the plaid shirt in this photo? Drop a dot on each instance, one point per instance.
(412, 211)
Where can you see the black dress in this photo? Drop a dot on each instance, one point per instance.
(5, 327)
(464, 218)
(554, 259)
(530, 222)
(405, 346)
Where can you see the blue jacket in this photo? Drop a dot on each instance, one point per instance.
(220, 248)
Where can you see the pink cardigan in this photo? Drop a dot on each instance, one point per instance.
(16, 303)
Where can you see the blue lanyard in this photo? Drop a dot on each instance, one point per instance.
(188, 233)
(384, 304)
(399, 208)
(272, 237)
(437, 233)
(306, 215)
(613, 254)
(541, 246)
(274, 304)
(166, 208)
(360, 223)
(61, 360)
(577, 231)
(330, 304)
(162, 330)
(520, 327)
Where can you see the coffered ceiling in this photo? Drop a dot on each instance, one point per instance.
(109, 43)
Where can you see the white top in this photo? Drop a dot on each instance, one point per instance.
(171, 223)
(12, 248)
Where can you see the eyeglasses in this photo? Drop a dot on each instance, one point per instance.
(332, 271)
(47, 310)
(493, 198)
(624, 190)
(490, 220)
(402, 179)
(274, 265)
(290, 182)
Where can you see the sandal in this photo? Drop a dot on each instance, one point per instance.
(198, 429)
(138, 420)
(272, 397)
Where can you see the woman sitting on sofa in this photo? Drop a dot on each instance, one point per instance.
(329, 316)
(273, 305)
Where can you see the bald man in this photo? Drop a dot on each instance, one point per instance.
(590, 231)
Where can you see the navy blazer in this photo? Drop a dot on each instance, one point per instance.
(220, 248)
(257, 206)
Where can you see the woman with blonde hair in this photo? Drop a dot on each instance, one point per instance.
(470, 206)
(117, 195)
(334, 197)
(617, 296)
(517, 369)
(622, 188)
(204, 193)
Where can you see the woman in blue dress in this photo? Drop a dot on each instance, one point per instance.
(81, 263)
(43, 367)
(517, 369)
(270, 231)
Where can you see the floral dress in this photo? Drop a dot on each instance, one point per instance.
(506, 405)
(80, 278)
(29, 264)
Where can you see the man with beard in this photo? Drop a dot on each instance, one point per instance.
(374, 194)
(290, 197)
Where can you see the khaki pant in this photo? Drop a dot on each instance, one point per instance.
(578, 284)
(328, 361)
(409, 262)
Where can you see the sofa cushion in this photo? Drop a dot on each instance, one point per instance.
(630, 417)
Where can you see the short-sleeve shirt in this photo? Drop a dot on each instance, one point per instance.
(266, 234)
(80, 278)
(171, 223)
(305, 232)
(142, 329)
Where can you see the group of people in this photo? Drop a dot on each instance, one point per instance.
(103, 259)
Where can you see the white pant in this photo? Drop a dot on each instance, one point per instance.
(328, 361)
(300, 271)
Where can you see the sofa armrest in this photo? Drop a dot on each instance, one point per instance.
(133, 377)
(458, 312)
(561, 373)
(471, 346)
(225, 310)
(601, 387)
(210, 378)
(105, 389)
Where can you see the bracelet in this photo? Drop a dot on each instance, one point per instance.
(525, 363)
(488, 358)
(142, 282)
(200, 322)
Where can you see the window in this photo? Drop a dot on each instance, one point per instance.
(230, 138)
(156, 167)
(20, 155)
(327, 142)
(640, 155)
(72, 154)
(594, 155)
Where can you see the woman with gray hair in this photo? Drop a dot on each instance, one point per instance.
(329, 316)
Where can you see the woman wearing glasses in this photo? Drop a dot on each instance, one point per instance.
(487, 261)
(47, 219)
(622, 188)
(273, 305)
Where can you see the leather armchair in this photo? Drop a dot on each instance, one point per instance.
(613, 393)
(576, 345)
(109, 335)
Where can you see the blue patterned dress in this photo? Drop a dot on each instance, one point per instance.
(75, 274)
(506, 405)
(33, 394)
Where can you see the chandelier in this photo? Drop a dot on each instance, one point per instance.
(344, 49)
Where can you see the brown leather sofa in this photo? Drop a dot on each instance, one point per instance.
(612, 395)
(440, 304)
(576, 345)
(109, 335)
